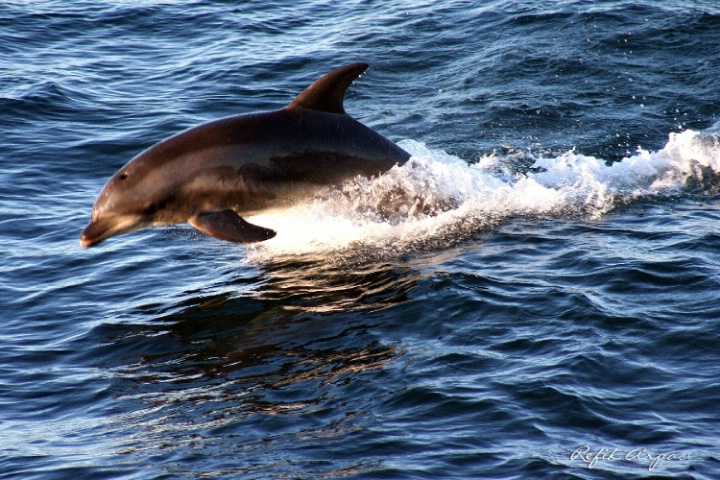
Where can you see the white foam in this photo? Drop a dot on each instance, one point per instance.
(435, 196)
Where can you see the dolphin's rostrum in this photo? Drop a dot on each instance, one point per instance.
(212, 174)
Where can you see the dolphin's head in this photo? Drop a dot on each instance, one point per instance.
(134, 198)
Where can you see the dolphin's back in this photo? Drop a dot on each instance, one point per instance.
(293, 141)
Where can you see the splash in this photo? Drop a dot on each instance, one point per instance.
(436, 198)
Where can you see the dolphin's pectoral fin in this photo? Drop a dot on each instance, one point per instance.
(228, 225)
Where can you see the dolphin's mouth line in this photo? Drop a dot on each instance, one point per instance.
(104, 228)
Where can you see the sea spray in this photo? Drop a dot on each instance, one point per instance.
(436, 199)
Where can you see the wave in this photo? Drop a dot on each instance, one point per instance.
(437, 199)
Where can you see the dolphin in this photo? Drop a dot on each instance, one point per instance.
(212, 175)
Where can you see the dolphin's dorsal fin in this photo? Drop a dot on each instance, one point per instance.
(326, 94)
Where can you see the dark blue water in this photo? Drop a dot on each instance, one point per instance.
(554, 315)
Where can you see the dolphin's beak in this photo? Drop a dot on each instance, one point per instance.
(101, 228)
(95, 233)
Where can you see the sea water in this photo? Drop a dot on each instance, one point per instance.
(533, 295)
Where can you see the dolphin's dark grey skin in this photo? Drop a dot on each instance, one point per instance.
(212, 174)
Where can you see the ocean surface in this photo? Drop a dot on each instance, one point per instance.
(553, 312)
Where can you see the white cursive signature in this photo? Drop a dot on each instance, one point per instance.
(592, 457)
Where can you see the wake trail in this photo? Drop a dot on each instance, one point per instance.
(436, 198)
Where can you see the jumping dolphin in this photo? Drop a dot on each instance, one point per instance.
(213, 174)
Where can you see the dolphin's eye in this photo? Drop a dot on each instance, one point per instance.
(123, 176)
